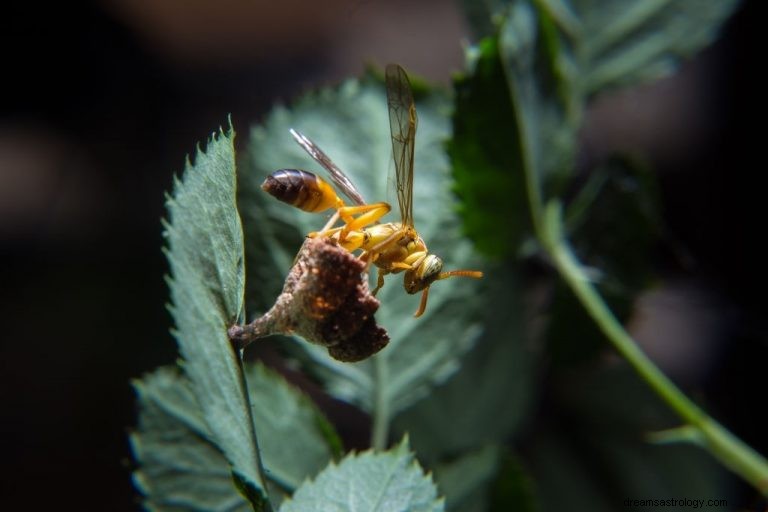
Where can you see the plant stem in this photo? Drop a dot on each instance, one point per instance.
(381, 413)
(727, 448)
(252, 432)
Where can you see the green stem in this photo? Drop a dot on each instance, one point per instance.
(381, 412)
(727, 448)
(252, 431)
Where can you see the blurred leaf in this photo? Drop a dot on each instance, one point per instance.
(182, 466)
(205, 254)
(485, 402)
(465, 480)
(513, 488)
(614, 228)
(369, 482)
(594, 455)
(519, 109)
(542, 79)
(616, 232)
(351, 125)
(486, 157)
(622, 44)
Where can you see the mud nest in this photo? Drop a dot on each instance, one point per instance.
(325, 300)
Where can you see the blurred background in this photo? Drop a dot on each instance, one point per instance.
(105, 98)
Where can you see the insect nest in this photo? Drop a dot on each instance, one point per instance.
(325, 300)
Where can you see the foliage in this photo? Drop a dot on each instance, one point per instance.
(464, 381)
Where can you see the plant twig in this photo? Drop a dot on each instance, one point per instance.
(721, 443)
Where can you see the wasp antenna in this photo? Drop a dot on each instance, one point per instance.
(423, 303)
(475, 274)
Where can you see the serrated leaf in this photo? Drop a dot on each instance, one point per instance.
(389, 481)
(182, 467)
(205, 254)
(351, 125)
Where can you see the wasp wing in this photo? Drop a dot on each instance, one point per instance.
(337, 175)
(402, 127)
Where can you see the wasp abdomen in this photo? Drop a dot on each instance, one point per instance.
(301, 189)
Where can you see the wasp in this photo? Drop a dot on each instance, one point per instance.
(393, 247)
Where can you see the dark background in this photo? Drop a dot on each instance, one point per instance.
(102, 102)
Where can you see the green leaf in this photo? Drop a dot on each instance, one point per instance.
(183, 468)
(488, 398)
(205, 254)
(542, 79)
(594, 454)
(614, 226)
(351, 125)
(295, 438)
(485, 155)
(621, 44)
(519, 109)
(513, 488)
(465, 480)
(619, 226)
(369, 482)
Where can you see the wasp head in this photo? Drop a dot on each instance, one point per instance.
(424, 275)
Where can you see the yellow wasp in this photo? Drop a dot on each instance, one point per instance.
(393, 247)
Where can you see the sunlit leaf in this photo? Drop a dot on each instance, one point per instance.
(351, 125)
(205, 253)
(389, 481)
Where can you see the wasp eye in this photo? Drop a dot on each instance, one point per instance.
(430, 268)
(424, 275)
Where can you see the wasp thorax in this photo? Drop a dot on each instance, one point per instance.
(424, 275)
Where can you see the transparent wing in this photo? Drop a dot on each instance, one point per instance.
(402, 126)
(340, 179)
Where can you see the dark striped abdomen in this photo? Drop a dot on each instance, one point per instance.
(301, 189)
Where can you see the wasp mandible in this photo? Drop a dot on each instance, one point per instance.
(393, 247)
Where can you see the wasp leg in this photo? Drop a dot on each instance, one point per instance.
(422, 303)
(370, 214)
(379, 281)
(327, 228)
